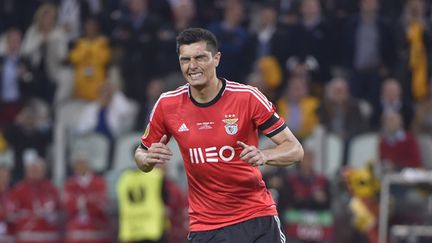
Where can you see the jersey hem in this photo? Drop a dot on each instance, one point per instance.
(259, 214)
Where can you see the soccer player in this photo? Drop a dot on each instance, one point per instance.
(215, 123)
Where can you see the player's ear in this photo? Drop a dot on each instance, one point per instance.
(216, 58)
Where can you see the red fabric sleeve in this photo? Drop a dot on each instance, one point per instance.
(156, 127)
(265, 116)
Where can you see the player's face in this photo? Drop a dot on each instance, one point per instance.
(198, 64)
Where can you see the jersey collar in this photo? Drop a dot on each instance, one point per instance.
(214, 100)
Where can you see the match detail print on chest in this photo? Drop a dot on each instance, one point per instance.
(211, 139)
(227, 123)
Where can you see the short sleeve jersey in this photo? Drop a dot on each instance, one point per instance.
(223, 189)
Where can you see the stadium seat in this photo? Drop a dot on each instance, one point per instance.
(96, 146)
(68, 112)
(66, 117)
(124, 150)
(425, 143)
(363, 148)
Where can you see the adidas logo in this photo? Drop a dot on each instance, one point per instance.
(183, 128)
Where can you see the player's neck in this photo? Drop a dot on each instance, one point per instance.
(208, 92)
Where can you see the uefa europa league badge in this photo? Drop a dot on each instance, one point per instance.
(231, 127)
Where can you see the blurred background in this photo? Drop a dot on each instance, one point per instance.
(78, 79)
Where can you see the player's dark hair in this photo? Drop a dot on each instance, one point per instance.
(193, 35)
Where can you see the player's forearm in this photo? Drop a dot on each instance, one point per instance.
(140, 158)
(284, 154)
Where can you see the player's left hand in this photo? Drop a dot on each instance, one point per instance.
(252, 155)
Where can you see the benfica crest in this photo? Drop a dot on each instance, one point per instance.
(231, 127)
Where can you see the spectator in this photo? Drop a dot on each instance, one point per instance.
(45, 45)
(298, 108)
(30, 130)
(392, 8)
(37, 204)
(86, 204)
(72, 12)
(3, 143)
(6, 206)
(136, 34)
(398, 148)
(313, 39)
(301, 68)
(414, 37)
(270, 37)
(90, 58)
(266, 30)
(288, 11)
(14, 78)
(142, 217)
(18, 13)
(306, 196)
(234, 42)
(340, 113)
(112, 114)
(184, 16)
(392, 99)
(208, 11)
(369, 51)
(267, 77)
(422, 123)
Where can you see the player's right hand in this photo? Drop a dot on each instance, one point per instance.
(158, 153)
(252, 155)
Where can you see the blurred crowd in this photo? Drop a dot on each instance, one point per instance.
(348, 67)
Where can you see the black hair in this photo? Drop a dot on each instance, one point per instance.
(193, 35)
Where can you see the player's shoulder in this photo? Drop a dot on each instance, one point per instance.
(174, 95)
(232, 86)
(246, 91)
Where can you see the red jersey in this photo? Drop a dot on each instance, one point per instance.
(403, 152)
(37, 205)
(86, 204)
(223, 189)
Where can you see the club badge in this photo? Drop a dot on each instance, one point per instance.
(231, 127)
